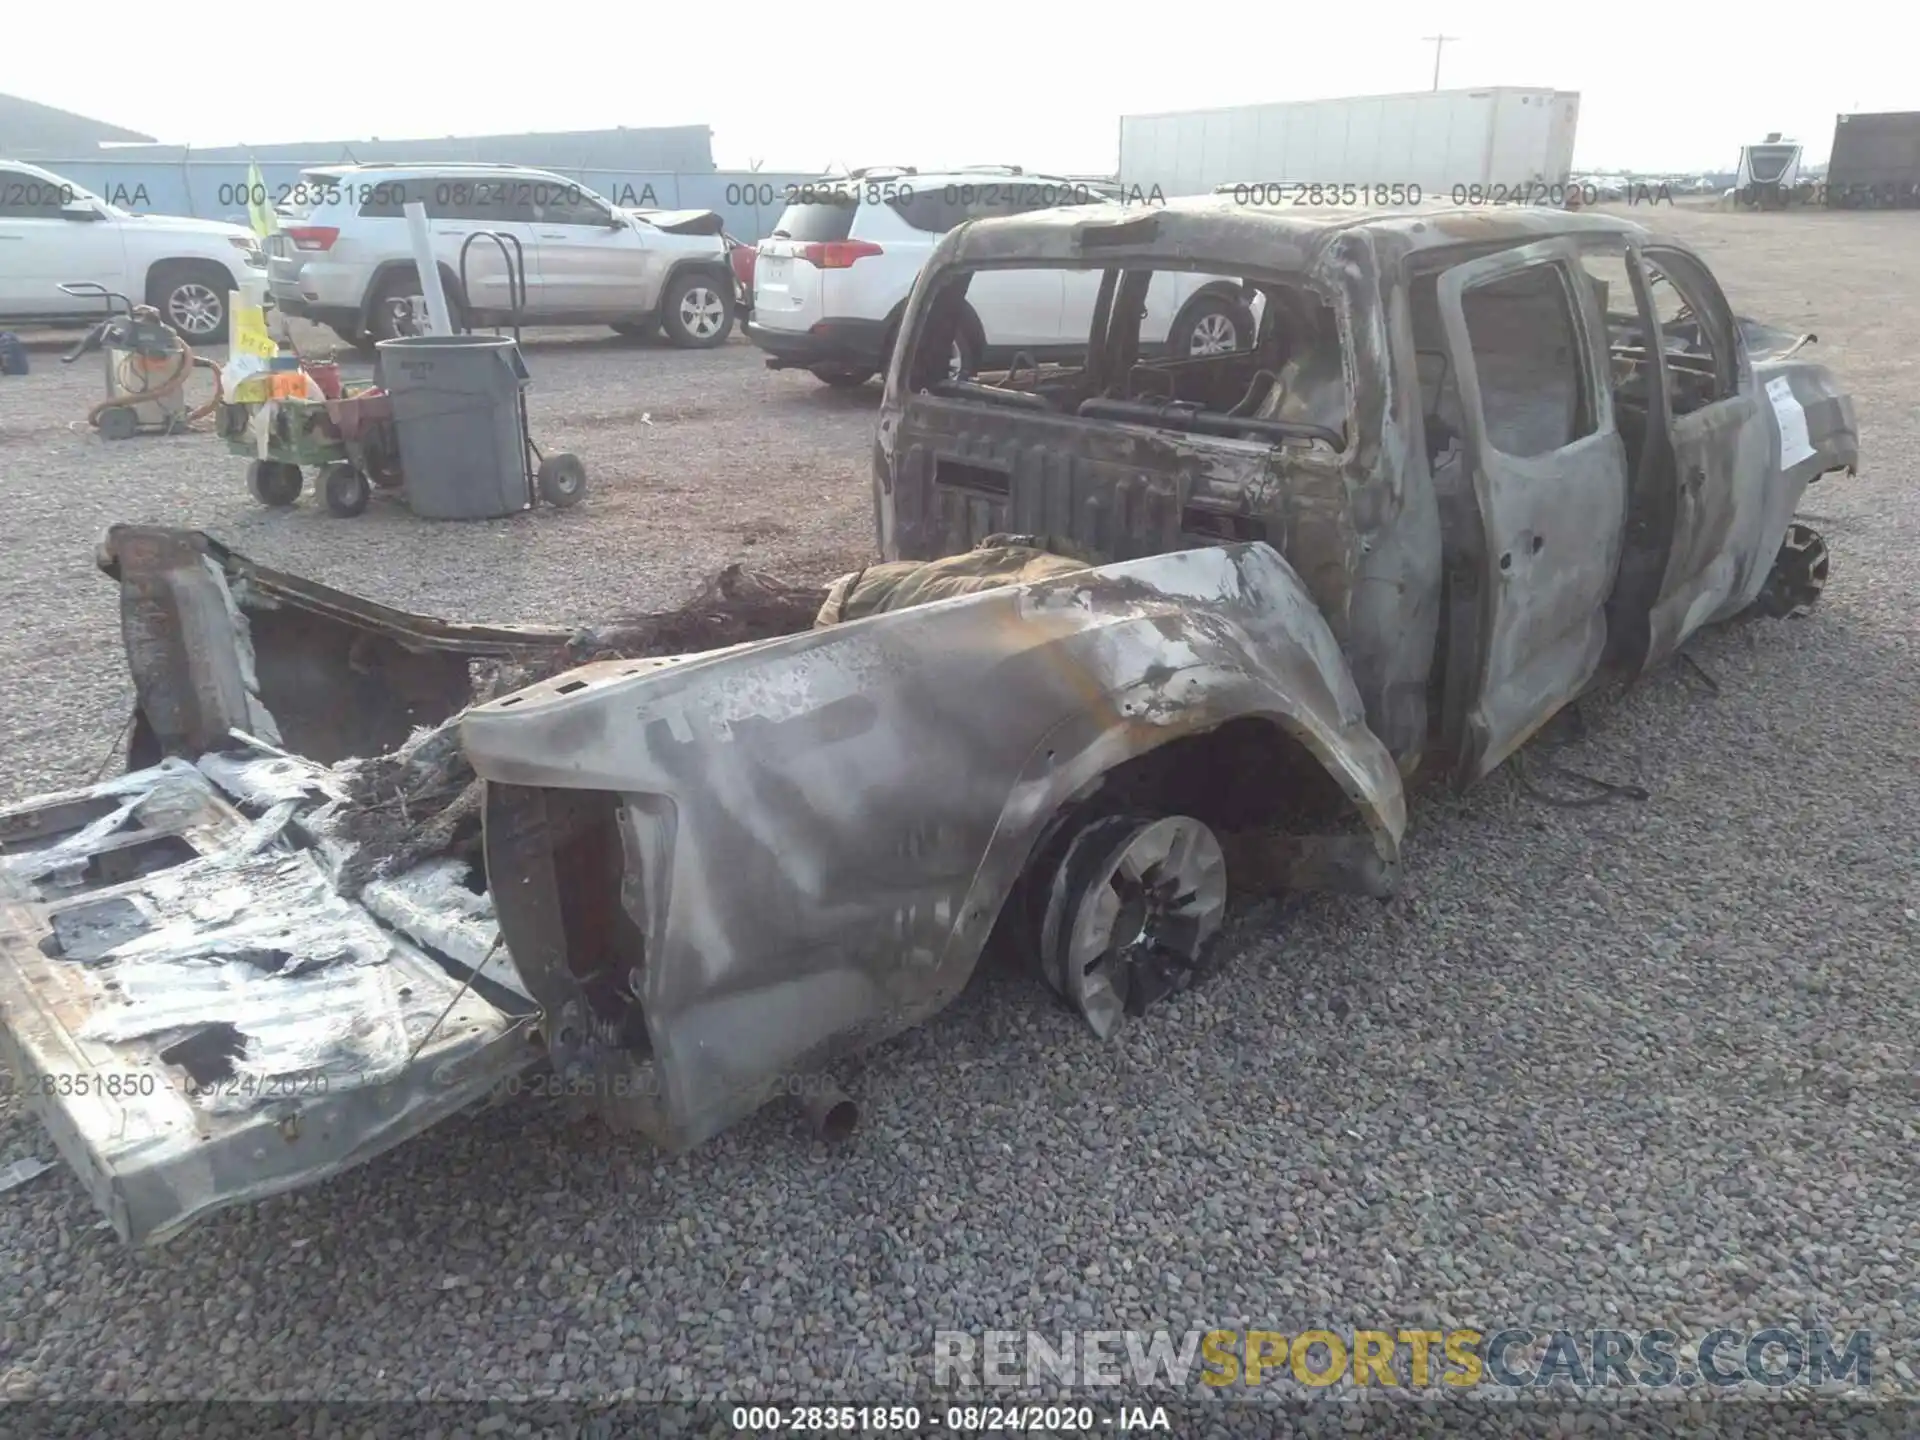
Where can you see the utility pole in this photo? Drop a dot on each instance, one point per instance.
(1439, 43)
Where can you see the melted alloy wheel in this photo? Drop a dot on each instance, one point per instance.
(1798, 576)
(1133, 908)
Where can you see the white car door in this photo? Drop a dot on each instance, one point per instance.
(596, 262)
(1021, 308)
(50, 234)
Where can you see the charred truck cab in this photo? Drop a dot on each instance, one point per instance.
(1146, 631)
(1502, 452)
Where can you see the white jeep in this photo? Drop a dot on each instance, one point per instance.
(344, 257)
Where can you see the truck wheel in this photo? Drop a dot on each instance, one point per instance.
(1132, 910)
(274, 482)
(1211, 325)
(697, 312)
(345, 490)
(192, 297)
(562, 480)
(1798, 576)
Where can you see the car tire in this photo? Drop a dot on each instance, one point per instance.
(562, 480)
(345, 490)
(191, 296)
(274, 483)
(697, 311)
(383, 314)
(1211, 325)
(841, 377)
(967, 350)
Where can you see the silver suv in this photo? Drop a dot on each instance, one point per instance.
(343, 257)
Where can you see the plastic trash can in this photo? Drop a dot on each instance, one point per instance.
(456, 406)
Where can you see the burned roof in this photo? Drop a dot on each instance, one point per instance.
(1205, 230)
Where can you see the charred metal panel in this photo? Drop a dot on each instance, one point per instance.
(821, 831)
(1777, 468)
(1114, 494)
(1549, 479)
(218, 643)
(199, 1018)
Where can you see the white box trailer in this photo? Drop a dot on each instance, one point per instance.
(1435, 139)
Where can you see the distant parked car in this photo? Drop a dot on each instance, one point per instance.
(345, 259)
(832, 279)
(53, 231)
(741, 255)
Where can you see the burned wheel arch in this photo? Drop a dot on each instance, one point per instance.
(819, 834)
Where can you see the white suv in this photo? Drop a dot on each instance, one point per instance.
(344, 257)
(53, 232)
(830, 283)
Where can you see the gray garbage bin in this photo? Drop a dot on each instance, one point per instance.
(456, 406)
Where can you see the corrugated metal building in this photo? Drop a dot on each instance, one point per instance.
(678, 149)
(30, 130)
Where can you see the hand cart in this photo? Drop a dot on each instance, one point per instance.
(350, 441)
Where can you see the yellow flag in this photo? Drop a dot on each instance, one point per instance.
(259, 212)
(250, 336)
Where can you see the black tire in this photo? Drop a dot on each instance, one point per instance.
(191, 296)
(562, 480)
(969, 348)
(1221, 325)
(119, 423)
(1798, 576)
(345, 490)
(841, 377)
(274, 483)
(697, 310)
(636, 329)
(383, 313)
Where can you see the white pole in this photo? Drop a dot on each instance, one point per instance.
(428, 270)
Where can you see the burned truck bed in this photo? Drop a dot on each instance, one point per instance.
(365, 867)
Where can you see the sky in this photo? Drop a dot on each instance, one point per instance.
(809, 87)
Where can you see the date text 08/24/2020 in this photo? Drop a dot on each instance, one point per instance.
(1273, 194)
(960, 1419)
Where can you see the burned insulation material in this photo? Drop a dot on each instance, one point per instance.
(422, 800)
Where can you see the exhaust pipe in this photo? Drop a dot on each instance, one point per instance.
(829, 1110)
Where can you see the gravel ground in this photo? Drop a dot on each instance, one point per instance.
(1644, 1065)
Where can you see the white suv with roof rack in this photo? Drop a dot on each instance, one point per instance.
(344, 257)
(831, 281)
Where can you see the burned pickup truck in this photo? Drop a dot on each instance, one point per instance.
(1144, 634)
